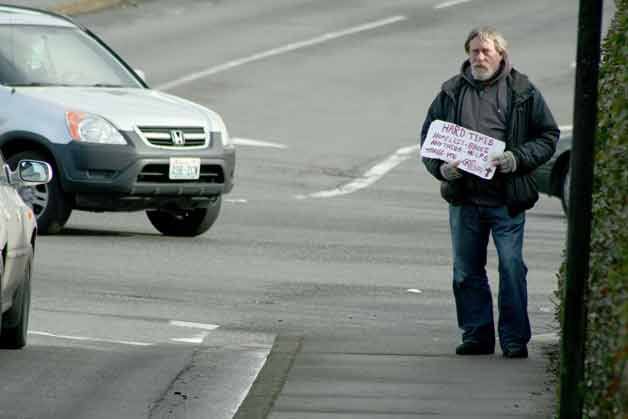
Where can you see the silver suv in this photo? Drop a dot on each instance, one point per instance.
(115, 145)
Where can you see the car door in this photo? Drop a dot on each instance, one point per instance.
(4, 221)
(17, 249)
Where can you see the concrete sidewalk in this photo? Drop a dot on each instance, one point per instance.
(397, 377)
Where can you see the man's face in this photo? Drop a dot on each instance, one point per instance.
(484, 58)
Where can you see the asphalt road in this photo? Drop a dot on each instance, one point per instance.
(127, 323)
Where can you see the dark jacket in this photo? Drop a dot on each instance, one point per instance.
(532, 135)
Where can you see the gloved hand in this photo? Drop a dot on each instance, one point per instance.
(506, 162)
(450, 170)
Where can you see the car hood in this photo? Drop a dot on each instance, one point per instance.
(126, 108)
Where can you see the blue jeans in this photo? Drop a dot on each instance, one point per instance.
(470, 229)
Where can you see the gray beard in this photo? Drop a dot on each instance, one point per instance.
(481, 75)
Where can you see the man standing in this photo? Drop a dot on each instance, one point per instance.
(491, 97)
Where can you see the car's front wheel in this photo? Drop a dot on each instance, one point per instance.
(49, 203)
(15, 321)
(564, 196)
(185, 223)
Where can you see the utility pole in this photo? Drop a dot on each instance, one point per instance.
(579, 218)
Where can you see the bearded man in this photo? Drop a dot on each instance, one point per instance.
(491, 97)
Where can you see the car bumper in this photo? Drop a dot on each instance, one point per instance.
(117, 175)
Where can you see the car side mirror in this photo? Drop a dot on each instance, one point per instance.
(140, 74)
(33, 172)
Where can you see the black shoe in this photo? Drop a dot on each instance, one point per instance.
(521, 352)
(474, 348)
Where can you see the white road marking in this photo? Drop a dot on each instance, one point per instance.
(374, 174)
(194, 339)
(236, 200)
(546, 338)
(277, 51)
(82, 338)
(415, 291)
(450, 3)
(257, 143)
(566, 127)
(202, 326)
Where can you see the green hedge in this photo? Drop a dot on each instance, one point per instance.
(606, 373)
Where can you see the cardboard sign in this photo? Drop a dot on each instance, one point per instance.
(450, 142)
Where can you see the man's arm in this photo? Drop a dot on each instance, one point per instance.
(543, 133)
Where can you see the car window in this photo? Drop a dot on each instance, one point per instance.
(47, 55)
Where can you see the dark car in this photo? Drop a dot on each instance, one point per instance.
(115, 144)
(553, 177)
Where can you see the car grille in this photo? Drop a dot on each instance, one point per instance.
(174, 137)
(158, 173)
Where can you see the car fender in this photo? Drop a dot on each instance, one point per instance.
(14, 142)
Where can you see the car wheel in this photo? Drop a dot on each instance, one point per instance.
(48, 201)
(564, 197)
(185, 223)
(15, 321)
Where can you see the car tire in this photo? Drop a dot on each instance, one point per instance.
(564, 190)
(15, 320)
(185, 223)
(51, 206)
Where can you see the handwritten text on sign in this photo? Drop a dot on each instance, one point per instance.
(450, 142)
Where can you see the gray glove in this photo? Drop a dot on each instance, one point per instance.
(506, 162)
(450, 171)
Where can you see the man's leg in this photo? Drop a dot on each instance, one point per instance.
(474, 307)
(514, 324)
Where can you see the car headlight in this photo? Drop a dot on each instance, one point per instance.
(92, 128)
(219, 125)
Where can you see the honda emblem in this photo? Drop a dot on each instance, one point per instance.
(178, 137)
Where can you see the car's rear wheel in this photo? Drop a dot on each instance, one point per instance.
(48, 201)
(185, 223)
(15, 320)
(565, 185)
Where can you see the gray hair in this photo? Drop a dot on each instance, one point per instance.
(487, 33)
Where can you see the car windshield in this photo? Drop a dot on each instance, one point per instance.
(35, 55)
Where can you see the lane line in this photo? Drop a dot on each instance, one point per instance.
(278, 51)
(257, 143)
(199, 338)
(371, 176)
(236, 200)
(566, 128)
(86, 339)
(450, 3)
(202, 326)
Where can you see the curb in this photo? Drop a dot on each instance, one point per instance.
(87, 6)
(271, 378)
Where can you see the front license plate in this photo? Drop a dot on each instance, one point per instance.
(184, 168)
